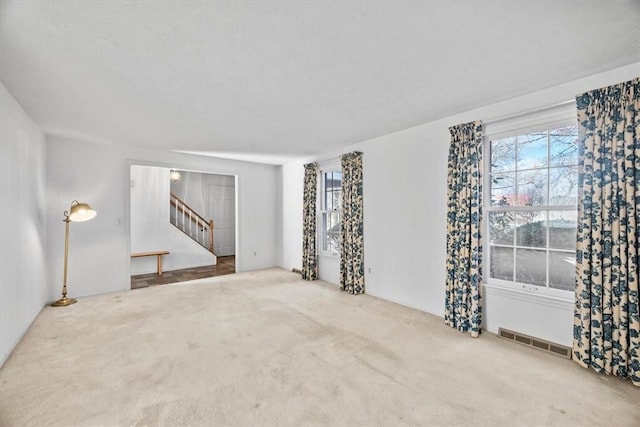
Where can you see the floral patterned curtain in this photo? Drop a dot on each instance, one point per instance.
(309, 258)
(352, 243)
(463, 309)
(606, 329)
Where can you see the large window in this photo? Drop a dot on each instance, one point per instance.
(532, 209)
(330, 208)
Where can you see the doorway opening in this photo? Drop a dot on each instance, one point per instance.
(183, 225)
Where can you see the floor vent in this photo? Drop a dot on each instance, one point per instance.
(538, 343)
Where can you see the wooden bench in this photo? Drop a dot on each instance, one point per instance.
(153, 253)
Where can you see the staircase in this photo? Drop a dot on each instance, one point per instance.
(191, 223)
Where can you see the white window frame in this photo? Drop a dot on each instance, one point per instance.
(332, 166)
(520, 125)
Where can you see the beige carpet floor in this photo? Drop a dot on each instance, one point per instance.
(266, 348)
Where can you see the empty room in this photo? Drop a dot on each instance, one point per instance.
(337, 213)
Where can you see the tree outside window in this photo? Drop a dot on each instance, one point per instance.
(330, 212)
(532, 208)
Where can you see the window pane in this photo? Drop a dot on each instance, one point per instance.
(325, 222)
(562, 270)
(501, 263)
(323, 231)
(328, 181)
(532, 151)
(337, 199)
(333, 243)
(501, 228)
(337, 179)
(564, 146)
(335, 222)
(563, 186)
(530, 229)
(562, 229)
(503, 189)
(529, 266)
(532, 188)
(503, 155)
(326, 191)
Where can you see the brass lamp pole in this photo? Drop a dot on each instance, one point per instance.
(78, 212)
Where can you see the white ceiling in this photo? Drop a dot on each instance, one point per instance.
(272, 81)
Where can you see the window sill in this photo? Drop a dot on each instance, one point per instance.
(328, 255)
(530, 296)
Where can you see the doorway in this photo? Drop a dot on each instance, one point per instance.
(191, 253)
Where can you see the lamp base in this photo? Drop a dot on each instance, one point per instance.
(62, 302)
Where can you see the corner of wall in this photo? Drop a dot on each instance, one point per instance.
(23, 278)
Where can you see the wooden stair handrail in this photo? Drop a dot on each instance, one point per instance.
(173, 196)
(197, 218)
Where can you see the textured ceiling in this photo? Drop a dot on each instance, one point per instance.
(278, 80)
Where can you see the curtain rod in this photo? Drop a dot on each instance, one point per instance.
(525, 113)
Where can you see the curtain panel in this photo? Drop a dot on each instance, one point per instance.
(309, 255)
(606, 330)
(463, 308)
(352, 243)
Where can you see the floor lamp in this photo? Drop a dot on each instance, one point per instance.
(78, 212)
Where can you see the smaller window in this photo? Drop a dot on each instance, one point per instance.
(330, 208)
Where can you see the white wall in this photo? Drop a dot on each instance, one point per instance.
(190, 189)
(99, 174)
(193, 188)
(290, 221)
(23, 278)
(405, 177)
(329, 268)
(151, 229)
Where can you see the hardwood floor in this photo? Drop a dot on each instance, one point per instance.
(226, 265)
